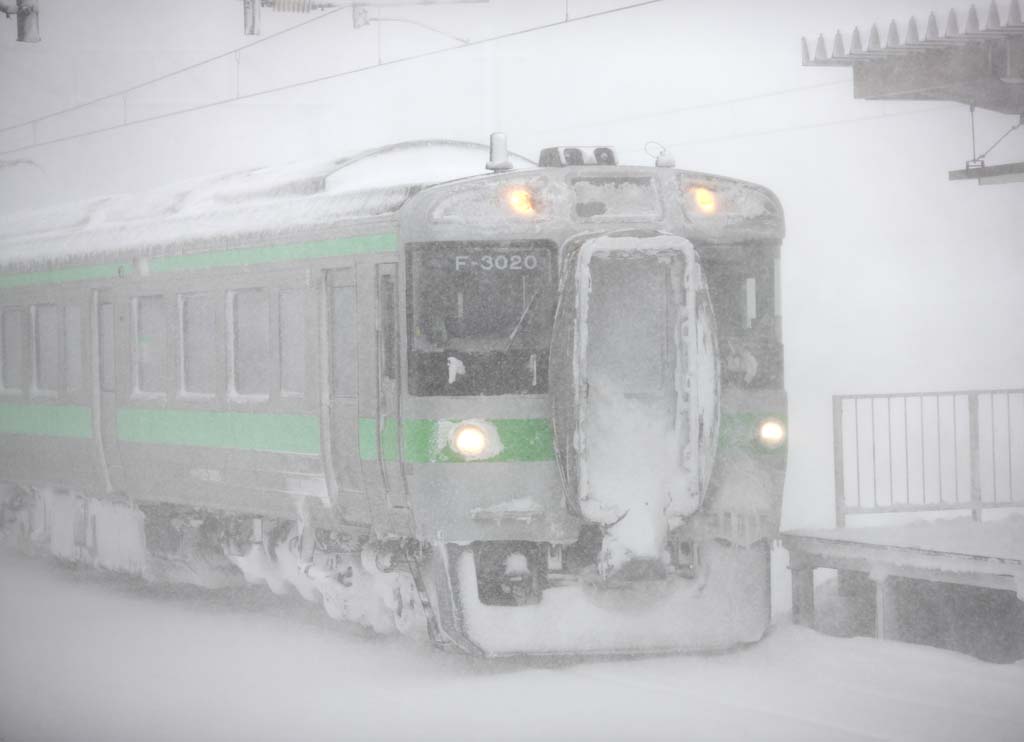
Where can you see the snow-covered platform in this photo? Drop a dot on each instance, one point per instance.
(957, 552)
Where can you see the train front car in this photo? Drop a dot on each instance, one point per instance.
(594, 422)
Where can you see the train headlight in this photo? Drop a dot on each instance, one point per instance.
(469, 440)
(520, 200)
(705, 199)
(771, 433)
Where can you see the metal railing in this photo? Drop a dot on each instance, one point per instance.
(900, 453)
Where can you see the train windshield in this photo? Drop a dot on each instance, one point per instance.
(480, 317)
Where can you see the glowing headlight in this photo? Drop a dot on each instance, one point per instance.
(771, 433)
(520, 200)
(704, 199)
(469, 440)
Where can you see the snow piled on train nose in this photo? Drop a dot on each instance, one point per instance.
(634, 477)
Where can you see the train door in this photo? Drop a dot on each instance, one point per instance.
(342, 389)
(106, 317)
(388, 412)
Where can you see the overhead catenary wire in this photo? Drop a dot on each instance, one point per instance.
(167, 76)
(701, 106)
(33, 123)
(805, 127)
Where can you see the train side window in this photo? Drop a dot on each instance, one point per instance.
(150, 341)
(388, 326)
(343, 341)
(750, 294)
(45, 348)
(106, 349)
(292, 305)
(197, 314)
(72, 348)
(250, 341)
(11, 327)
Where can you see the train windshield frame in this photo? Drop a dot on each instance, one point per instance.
(480, 316)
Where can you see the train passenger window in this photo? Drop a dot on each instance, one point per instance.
(250, 341)
(751, 302)
(388, 327)
(106, 347)
(11, 327)
(343, 341)
(292, 305)
(198, 316)
(72, 348)
(45, 348)
(150, 340)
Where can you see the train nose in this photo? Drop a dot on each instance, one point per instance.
(634, 384)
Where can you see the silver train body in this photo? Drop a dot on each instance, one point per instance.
(534, 411)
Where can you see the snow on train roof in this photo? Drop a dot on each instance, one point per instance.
(242, 205)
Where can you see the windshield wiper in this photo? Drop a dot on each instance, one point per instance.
(522, 319)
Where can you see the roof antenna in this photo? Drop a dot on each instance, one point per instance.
(499, 153)
(663, 158)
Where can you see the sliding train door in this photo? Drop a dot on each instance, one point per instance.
(363, 379)
(107, 317)
(341, 336)
(388, 423)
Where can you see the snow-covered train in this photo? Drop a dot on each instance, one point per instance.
(536, 410)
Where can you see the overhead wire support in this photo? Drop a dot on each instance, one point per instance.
(1008, 132)
(289, 86)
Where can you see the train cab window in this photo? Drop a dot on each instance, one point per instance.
(149, 343)
(250, 341)
(343, 341)
(106, 347)
(292, 306)
(72, 348)
(480, 317)
(11, 328)
(198, 353)
(45, 349)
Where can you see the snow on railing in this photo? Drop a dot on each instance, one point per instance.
(899, 453)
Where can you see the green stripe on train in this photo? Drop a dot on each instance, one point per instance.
(254, 431)
(371, 243)
(426, 441)
(62, 421)
(65, 275)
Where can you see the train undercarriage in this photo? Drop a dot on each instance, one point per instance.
(491, 598)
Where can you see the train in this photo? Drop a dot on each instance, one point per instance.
(507, 407)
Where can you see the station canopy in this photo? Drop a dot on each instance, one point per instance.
(978, 64)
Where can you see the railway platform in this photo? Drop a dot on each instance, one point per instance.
(929, 490)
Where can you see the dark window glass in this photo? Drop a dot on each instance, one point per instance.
(11, 361)
(251, 335)
(343, 341)
(46, 344)
(480, 317)
(73, 347)
(198, 343)
(150, 343)
(388, 327)
(293, 341)
(106, 341)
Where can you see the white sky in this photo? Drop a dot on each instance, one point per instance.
(894, 278)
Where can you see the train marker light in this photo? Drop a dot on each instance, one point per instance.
(771, 433)
(520, 200)
(705, 199)
(469, 440)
